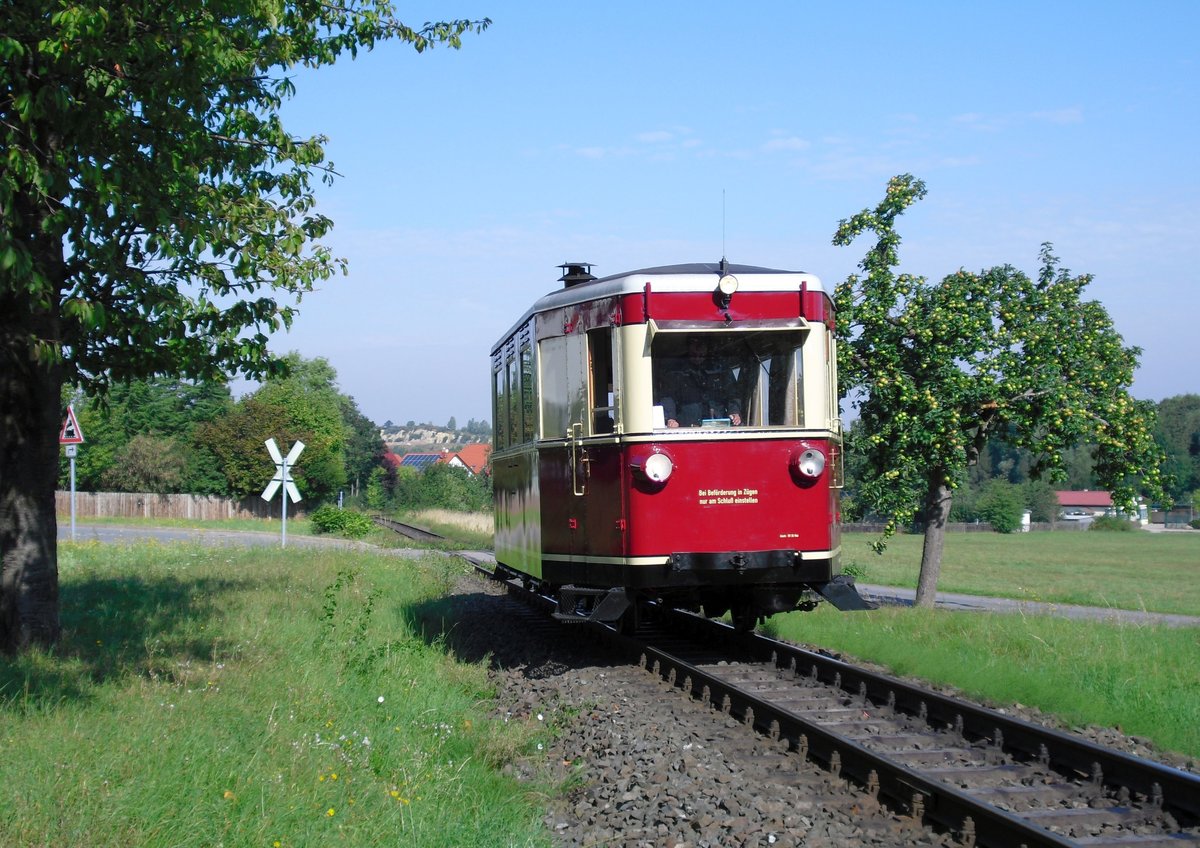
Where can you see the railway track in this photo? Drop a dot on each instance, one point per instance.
(985, 777)
(409, 530)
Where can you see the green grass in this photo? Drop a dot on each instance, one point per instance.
(299, 526)
(201, 696)
(1152, 571)
(236, 697)
(462, 530)
(1144, 680)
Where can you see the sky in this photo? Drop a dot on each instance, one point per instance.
(631, 135)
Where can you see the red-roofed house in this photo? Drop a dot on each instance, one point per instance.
(1094, 502)
(475, 458)
(1089, 504)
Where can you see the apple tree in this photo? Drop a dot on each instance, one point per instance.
(939, 367)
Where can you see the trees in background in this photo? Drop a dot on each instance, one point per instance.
(478, 428)
(169, 435)
(1178, 432)
(943, 367)
(1000, 463)
(304, 405)
(142, 438)
(364, 448)
(439, 486)
(158, 218)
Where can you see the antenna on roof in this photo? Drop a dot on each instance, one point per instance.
(722, 228)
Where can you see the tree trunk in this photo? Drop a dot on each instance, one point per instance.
(936, 514)
(30, 417)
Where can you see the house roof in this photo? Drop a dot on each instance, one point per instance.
(1086, 497)
(421, 461)
(391, 459)
(475, 457)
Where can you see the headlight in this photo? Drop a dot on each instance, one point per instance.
(807, 464)
(658, 467)
(653, 468)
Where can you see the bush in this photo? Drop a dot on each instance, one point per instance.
(1041, 500)
(443, 486)
(964, 507)
(344, 522)
(1113, 523)
(1195, 524)
(1000, 504)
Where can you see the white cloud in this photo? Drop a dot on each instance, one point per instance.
(980, 122)
(1070, 115)
(786, 143)
(992, 123)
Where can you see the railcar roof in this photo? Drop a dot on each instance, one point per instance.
(693, 268)
(629, 281)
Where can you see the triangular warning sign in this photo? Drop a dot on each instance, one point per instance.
(71, 433)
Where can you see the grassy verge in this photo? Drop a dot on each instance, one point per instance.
(252, 698)
(463, 530)
(1153, 571)
(297, 526)
(1144, 680)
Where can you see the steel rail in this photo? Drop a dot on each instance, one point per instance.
(918, 795)
(921, 796)
(1179, 790)
(412, 532)
(1174, 790)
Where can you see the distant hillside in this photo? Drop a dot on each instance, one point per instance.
(427, 437)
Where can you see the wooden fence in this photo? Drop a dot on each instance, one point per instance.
(143, 505)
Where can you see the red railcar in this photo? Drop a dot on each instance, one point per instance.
(672, 433)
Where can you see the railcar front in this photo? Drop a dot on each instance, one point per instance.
(673, 433)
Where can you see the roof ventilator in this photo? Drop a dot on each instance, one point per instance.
(575, 273)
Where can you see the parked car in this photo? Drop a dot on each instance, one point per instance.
(1076, 515)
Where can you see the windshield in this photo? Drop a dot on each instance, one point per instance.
(728, 379)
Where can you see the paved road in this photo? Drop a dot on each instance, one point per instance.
(978, 603)
(882, 594)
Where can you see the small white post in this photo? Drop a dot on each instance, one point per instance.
(283, 471)
(71, 453)
(71, 437)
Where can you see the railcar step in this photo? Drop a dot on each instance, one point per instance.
(582, 603)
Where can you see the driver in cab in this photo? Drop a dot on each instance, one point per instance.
(697, 388)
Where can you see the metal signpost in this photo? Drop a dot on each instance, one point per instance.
(284, 479)
(71, 437)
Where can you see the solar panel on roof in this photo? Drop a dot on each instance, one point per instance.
(420, 460)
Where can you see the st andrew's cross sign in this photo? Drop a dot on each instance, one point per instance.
(283, 477)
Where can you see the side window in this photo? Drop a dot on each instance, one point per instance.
(563, 389)
(600, 378)
(552, 356)
(831, 376)
(528, 395)
(499, 403)
(515, 429)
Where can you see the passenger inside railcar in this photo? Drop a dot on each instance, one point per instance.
(696, 385)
